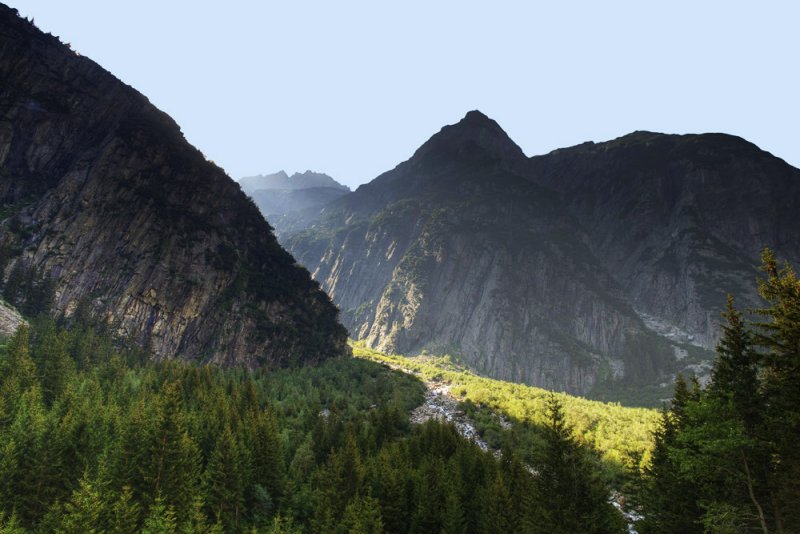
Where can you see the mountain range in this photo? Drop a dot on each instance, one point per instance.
(592, 267)
(600, 265)
(283, 199)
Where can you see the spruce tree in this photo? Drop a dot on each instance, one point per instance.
(85, 512)
(174, 463)
(161, 519)
(735, 373)
(362, 516)
(778, 336)
(226, 481)
(577, 499)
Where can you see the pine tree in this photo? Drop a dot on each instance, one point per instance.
(264, 444)
(778, 336)
(225, 481)
(570, 484)
(390, 490)
(174, 468)
(430, 505)
(85, 512)
(10, 525)
(735, 373)
(19, 363)
(362, 516)
(161, 519)
(125, 513)
(669, 501)
(500, 512)
(55, 366)
(197, 522)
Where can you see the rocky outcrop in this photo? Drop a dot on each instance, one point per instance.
(10, 319)
(103, 195)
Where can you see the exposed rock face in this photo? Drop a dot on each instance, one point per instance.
(600, 262)
(104, 195)
(457, 251)
(10, 319)
(679, 220)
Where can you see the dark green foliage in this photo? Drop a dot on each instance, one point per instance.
(725, 457)
(92, 440)
(567, 476)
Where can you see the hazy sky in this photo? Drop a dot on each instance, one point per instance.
(353, 88)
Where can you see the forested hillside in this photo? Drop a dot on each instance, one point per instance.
(622, 436)
(726, 456)
(100, 439)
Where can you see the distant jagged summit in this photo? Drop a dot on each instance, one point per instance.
(282, 199)
(281, 180)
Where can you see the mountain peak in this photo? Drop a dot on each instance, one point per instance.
(477, 116)
(474, 136)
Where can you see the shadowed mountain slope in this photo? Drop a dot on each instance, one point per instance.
(104, 199)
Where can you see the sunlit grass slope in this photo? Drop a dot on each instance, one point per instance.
(619, 434)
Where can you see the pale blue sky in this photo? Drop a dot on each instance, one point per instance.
(353, 88)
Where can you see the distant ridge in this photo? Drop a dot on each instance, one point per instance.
(280, 180)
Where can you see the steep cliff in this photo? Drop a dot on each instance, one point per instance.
(679, 220)
(456, 250)
(104, 198)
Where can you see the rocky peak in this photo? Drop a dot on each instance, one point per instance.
(476, 136)
(463, 158)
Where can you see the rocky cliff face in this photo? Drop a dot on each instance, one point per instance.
(457, 251)
(103, 196)
(679, 220)
(598, 265)
(10, 319)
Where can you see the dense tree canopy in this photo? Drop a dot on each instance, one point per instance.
(726, 457)
(100, 439)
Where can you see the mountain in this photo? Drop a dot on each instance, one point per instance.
(107, 205)
(280, 180)
(592, 267)
(287, 202)
(456, 250)
(680, 220)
